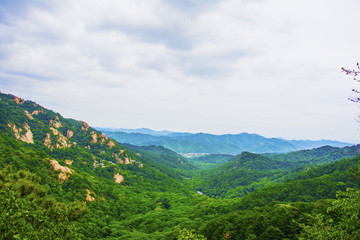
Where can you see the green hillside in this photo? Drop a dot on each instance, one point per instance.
(209, 161)
(248, 171)
(163, 159)
(317, 156)
(62, 179)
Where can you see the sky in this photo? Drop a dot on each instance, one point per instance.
(270, 67)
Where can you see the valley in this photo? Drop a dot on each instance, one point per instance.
(63, 179)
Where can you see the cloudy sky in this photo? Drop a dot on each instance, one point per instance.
(271, 67)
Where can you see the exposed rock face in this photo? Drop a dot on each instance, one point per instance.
(18, 100)
(36, 112)
(65, 172)
(54, 131)
(84, 126)
(47, 141)
(111, 144)
(93, 137)
(55, 123)
(26, 137)
(62, 142)
(89, 198)
(28, 115)
(126, 160)
(117, 158)
(102, 137)
(69, 133)
(69, 162)
(118, 178)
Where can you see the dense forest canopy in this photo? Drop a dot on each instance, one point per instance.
(62, 179)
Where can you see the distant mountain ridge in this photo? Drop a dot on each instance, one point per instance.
(216, 144)
(137, 130)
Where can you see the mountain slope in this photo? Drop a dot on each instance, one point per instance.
(208, 161)
(77, 163)
(164, 160)
(248, 171)
(322, 182)
(72, 143)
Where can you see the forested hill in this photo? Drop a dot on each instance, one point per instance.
(216, 144)
(62, 179)
(77, 163)
(75, 144)
(317, 156)
(247, 172)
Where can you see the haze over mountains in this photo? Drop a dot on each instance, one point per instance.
(216, 144)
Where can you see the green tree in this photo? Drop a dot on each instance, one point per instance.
(26, 212)
(186, 234)
(342, 220)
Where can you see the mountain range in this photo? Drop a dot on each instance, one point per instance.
(63, 179)
(216, 144)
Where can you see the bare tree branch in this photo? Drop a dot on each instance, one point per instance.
(354, 72)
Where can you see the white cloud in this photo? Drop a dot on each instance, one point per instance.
(268, 66)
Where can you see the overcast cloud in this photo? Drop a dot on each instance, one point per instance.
(271, 67)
